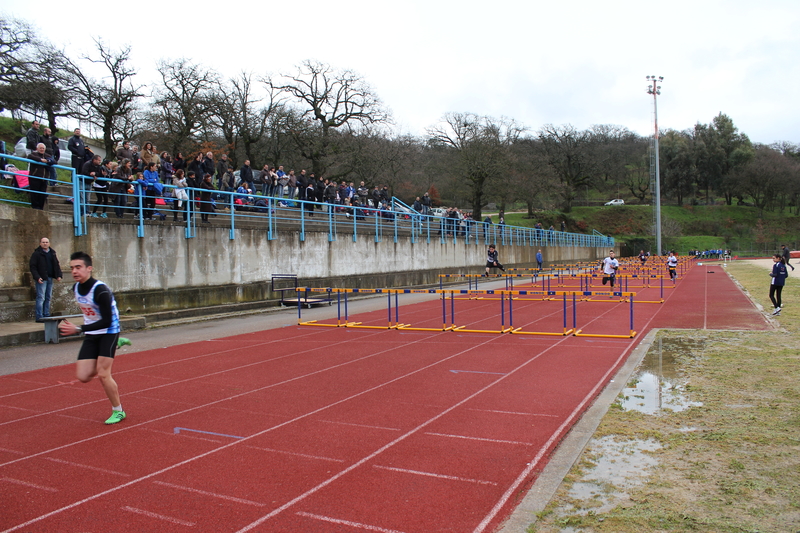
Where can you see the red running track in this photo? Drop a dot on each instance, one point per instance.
(323, 429)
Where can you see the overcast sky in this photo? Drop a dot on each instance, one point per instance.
(538, 62)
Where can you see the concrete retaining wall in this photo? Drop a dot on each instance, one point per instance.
(164, 270)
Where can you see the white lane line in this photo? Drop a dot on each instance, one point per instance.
(510, 412)
(96, 469)
(170, 519)
(202, 406)
(26, 484)
(317, 457)
(12, 451)
(194, 378)
(212, 494)
(401, 438)
(431, 474)
(358, 525)
(236, 442)
(359, 425)
(172, 362)
(480, 439)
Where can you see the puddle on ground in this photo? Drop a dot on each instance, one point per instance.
(658, 383)
(618, 467)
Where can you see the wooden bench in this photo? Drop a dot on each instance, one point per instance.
(51, 327)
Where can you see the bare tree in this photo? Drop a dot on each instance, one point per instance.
(106, 101)
(184, 102)
(329, 99)
(16, 36)
(33, 79)
(482, 145)
(569, 153)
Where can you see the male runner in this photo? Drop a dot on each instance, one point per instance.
(101, 329)
(491, 260)
(672, 264)
(610, 266)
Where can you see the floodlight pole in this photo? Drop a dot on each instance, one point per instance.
(655, 90)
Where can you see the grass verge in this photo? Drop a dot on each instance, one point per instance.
(729, 465)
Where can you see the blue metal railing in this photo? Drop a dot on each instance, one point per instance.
(283, 215)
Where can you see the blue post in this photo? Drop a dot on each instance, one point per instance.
(574, 313)
(502, 310)
(631, 313)
(389, 308)
(346, 314)
(396, 306)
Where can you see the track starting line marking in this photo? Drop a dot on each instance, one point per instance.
(178, 430)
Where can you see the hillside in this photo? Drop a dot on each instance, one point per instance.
(737, 228)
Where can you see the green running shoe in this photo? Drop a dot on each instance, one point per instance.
(122, 341)
(116, 416)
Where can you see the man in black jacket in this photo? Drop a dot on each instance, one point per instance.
(78, 149)
(38, 172)
(33, 137)
(44, 268)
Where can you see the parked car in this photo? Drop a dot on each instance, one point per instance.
(616, 201)
(65, 159)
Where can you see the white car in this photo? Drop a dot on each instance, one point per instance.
(616, 201)
(65, 158)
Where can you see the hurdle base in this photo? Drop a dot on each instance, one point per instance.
(631, 335)
(565, 333)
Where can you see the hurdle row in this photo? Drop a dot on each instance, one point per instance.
(506, 299)
(551, 282)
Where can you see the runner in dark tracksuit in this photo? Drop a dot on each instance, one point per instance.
(778, 275)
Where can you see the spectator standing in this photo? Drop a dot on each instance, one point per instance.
(246, 175)
(92, 169)
(136, 160)
(292, 184)
(209, 166)
(539, 259)
(563, 226)
(32, 138)
(786, 255)
(221, 169)
(376, 198)
(45, 268)
(119, 190)
(53, 151)
(77, 148)
(100, 188)
(167, 170)
(149, 184)
(124, 151)
(181, 202)
(178, 162)
(149, 155)
(38, 172)
(206, 188)
(426, 204)
(487, 224)
(363, 194)
(302, 184)
(196, 166)
(262, 180)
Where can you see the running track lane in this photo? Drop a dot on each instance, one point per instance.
(343, 431)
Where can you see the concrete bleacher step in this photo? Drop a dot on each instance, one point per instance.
(17, 311)
(16, 294)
